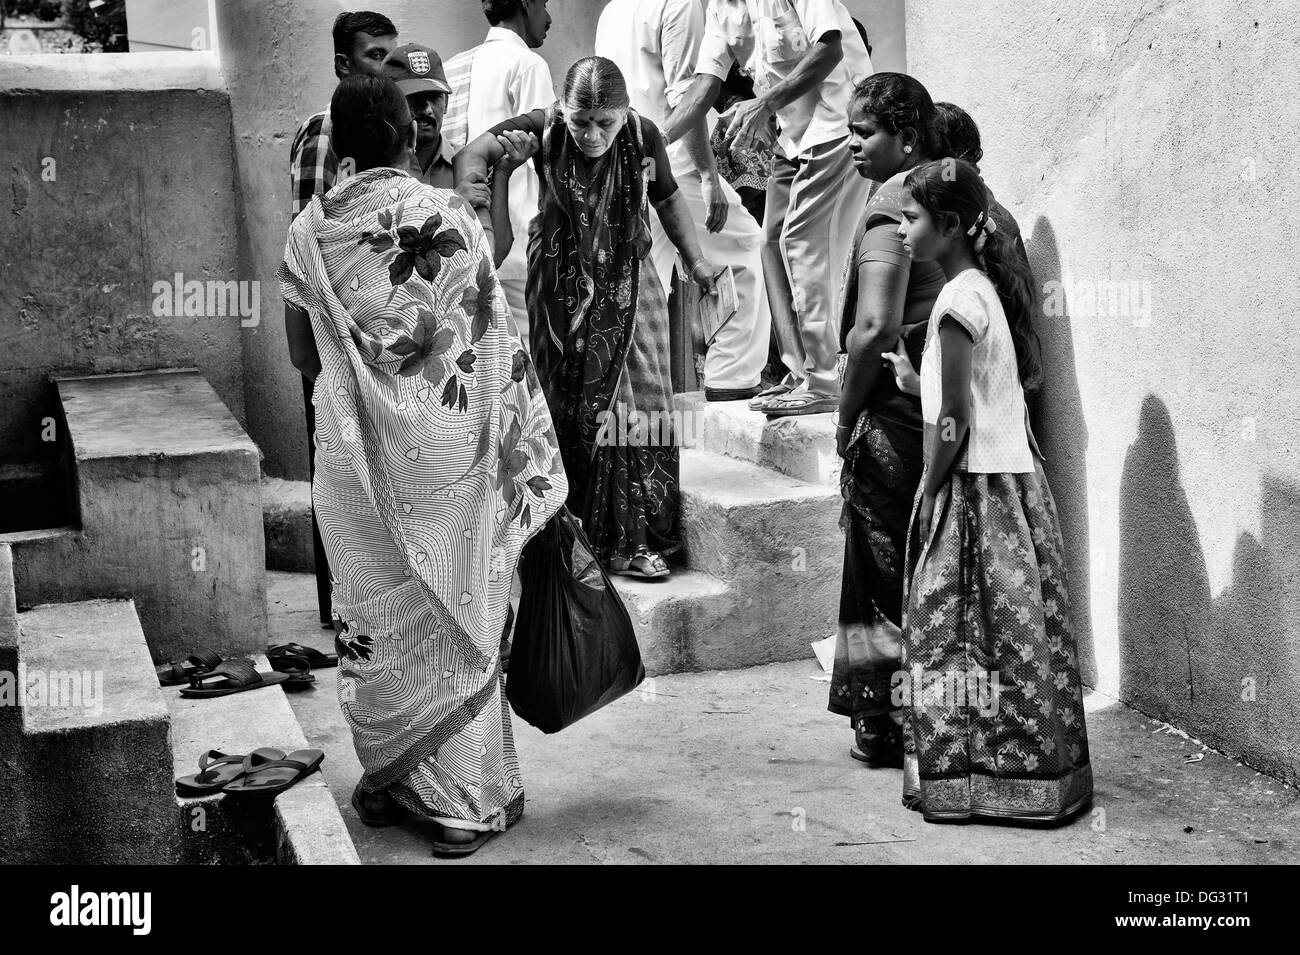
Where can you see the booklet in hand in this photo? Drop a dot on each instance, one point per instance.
(720, 307)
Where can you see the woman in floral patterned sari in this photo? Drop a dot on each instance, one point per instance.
(599, 321)
(435, 462)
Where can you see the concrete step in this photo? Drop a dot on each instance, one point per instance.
(742, 522)
(95, 761)
(802, 446)
(774, 541)
(170, 513)
(302, 827)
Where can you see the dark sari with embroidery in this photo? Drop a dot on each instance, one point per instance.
(599, 334)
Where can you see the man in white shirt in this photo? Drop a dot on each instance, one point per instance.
(498, 79)
(805, 57)
(656, 43)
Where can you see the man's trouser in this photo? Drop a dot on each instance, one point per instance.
(737, 356)
(813, 204)
(324, 587)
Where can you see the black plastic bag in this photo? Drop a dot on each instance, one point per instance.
(574, 648)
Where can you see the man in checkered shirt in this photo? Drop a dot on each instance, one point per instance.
(361, 42)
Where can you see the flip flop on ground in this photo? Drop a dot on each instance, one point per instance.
(275, 776)
(298, 669)
(217, 770)
(179, 671)
(233, 676)
(315, 658)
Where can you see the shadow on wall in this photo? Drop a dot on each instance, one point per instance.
(1226, 670)
(1062, 434)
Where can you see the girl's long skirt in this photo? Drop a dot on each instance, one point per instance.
(995, 725)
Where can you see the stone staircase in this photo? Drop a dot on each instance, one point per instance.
(167, 555)
(763, 551)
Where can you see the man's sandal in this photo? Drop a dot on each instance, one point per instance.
(803, 403)
(763, 397)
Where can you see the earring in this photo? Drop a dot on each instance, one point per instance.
(907, 150)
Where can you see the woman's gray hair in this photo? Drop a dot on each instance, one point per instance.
(595, 83)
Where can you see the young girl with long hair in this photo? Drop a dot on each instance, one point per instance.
(994, 723)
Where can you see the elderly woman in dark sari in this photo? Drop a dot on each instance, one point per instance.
(879, 429)
(598, 319)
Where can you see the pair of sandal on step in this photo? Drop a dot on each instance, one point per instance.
(265, 772)
(209, 675)
(791, 398)
(378, 809)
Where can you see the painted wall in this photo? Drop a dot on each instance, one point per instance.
(117, 174)
(1152, 172)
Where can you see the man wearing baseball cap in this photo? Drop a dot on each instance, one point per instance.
(417, 71)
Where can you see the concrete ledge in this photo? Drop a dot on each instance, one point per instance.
(302, 826)
(170, 510)
(96, 759)
(802, 446)
(111, 72)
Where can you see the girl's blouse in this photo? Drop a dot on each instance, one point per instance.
(998, 442)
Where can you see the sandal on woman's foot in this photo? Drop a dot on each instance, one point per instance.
(217, 770)
(879, 742)
(315, 658)
(178, 671)
(800, 403)
(445, 849)
(378, 809)
(645, 565)
(275, 776)
(233, 676)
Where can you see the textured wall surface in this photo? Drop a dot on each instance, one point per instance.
(117, 174)
(1147, 151)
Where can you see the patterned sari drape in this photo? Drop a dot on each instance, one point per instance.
(435, 462)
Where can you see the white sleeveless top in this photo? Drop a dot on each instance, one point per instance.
(998, 442)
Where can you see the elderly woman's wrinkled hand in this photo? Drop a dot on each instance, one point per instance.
(519, 146)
